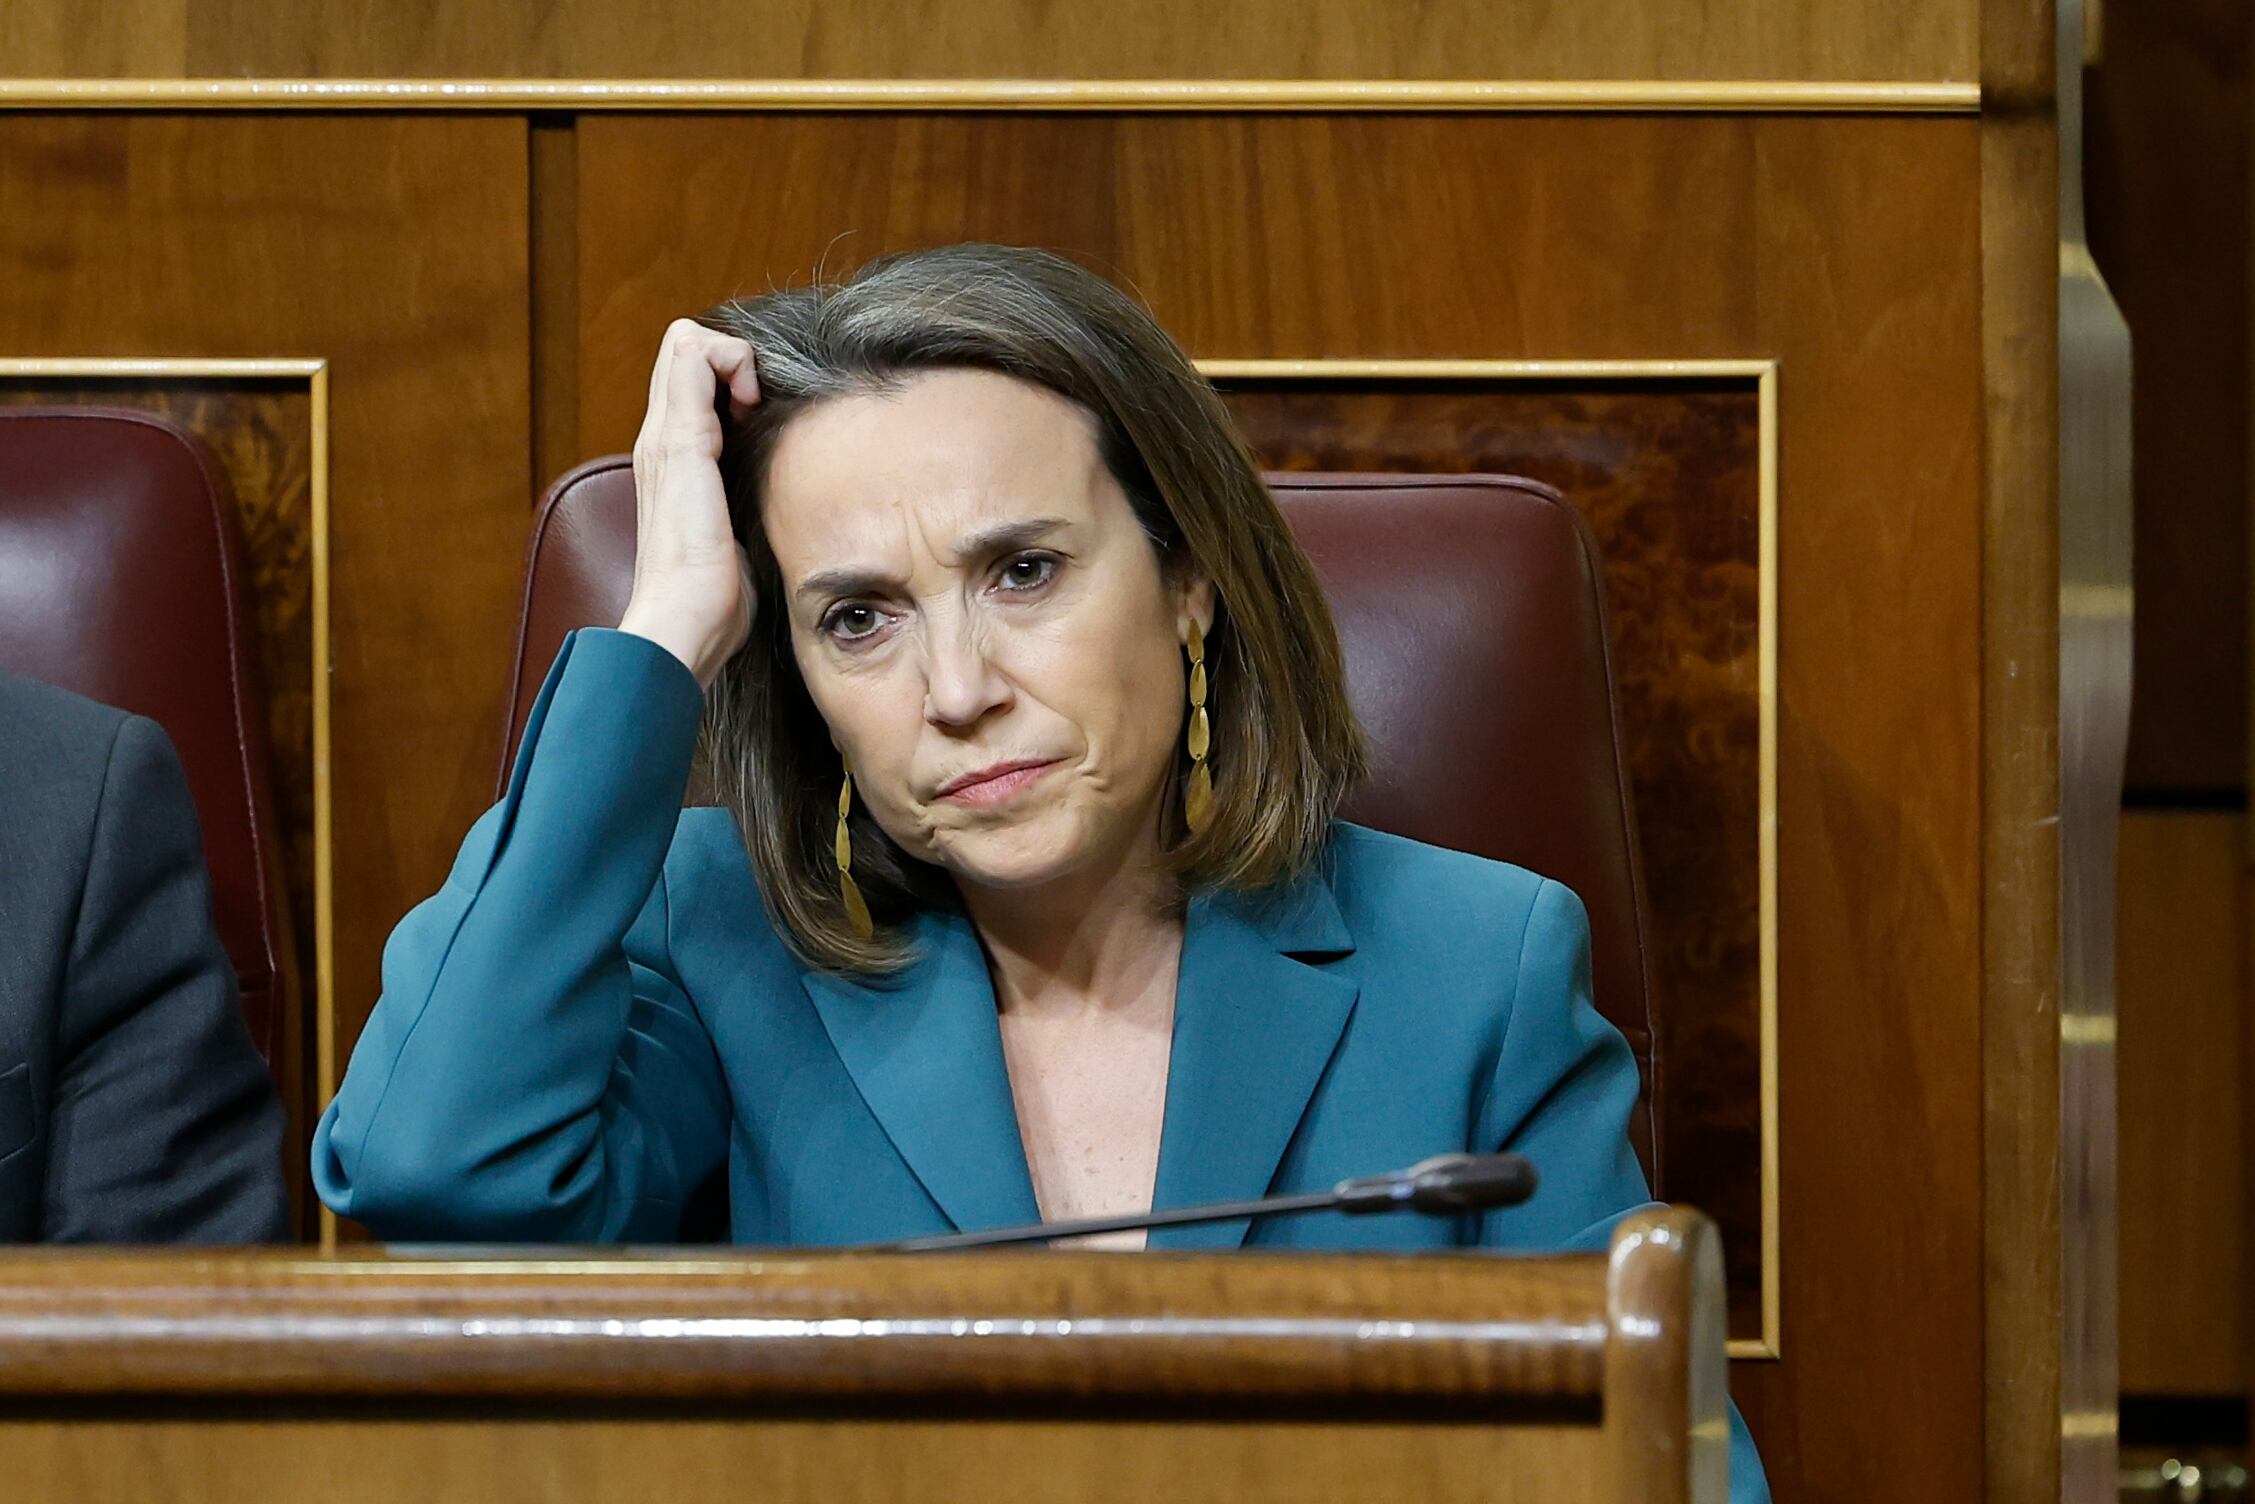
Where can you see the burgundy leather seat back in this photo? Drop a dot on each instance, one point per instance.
(121, 580)
(1473, 618)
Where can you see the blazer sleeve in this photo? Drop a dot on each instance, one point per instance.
(164, 1123)
(534, 1070)
(1565, 1084)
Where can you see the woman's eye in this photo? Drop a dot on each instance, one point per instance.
(1028, 572)
(851, 623)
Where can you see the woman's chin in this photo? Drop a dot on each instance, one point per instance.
(1021, 853)
(1011, 869)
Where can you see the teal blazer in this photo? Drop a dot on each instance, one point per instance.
(595, 1016)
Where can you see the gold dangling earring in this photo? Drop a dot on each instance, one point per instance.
(1198, 798)
(857, 912)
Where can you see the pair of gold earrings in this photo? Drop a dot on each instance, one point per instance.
(1197, 796)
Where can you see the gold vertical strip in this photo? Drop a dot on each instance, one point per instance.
(1772, 1300)
(324, 797)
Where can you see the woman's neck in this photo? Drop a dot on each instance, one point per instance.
(1107, 937)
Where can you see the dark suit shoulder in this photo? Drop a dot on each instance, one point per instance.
(52, 739)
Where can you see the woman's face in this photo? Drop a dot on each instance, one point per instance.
(982, 623)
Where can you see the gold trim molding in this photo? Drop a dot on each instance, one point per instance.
(1640, 96)
(1763, 375)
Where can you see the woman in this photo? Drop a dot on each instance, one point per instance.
(1025, 898)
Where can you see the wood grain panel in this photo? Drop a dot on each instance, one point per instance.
(2167, 146)
(2183, 1098)
(694, 1460)
(2023, 1332)
(396, 249)
(1668, 475)
(1297, 235)
(96, 39)
(1530, 238)
(1680, 39)
(1002, 1327)
(1878, 333)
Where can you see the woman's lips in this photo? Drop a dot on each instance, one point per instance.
(1000, 786)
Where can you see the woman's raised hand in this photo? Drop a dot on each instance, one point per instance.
(692, 582)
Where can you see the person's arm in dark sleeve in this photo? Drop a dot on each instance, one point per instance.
(164, 1124)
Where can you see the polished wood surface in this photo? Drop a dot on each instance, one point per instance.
(693, 1459)
(1601, 1372)
(2184, 1057)
(1760, 39)
(2020, 796)
(395, 248)
(829, 1326)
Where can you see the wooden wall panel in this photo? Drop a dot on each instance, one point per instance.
(1297, 236)
(397, 250)
(2023, 1330)
(1521, 39)
(1250, 236)
(704, 1459)
(2184, 1066)
(96, 39)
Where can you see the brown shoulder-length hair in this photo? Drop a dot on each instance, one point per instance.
(1285, 745)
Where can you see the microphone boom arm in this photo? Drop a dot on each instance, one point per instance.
(1446, 1185)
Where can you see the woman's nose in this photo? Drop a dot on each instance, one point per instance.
(961, 682)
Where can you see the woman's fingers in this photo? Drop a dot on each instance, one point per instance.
(676, 332)
(692, 581)
(697, 367)
(733, 362)
(693, 363)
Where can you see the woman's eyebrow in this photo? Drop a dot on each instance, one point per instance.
(832, 583)
(1005, 536)
(1002, 537)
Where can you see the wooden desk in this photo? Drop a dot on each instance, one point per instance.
(838, 1377)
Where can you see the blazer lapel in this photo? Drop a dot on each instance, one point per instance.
(926, 1053)
(1255, 1027)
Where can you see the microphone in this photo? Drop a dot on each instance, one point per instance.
(1447, 1185)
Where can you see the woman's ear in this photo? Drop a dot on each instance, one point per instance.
(1194, 602)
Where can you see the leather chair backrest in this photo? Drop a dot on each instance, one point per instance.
(121, 579)
(1472, 613)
